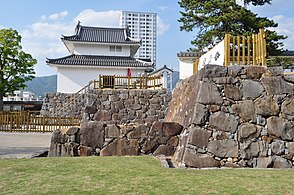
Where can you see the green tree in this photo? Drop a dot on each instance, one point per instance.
(16, 66)
(214, 18)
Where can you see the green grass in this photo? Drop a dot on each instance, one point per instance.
(133, 175)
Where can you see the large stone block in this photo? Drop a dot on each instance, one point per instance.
(281, 163)
(165, 129)
(171, 129)
(248, 131)
(112, 131)
(232, 92)
(280, 128)
(224, 122)
(234, 70)
(92, 134)
(275, 126)
(138, 132)
(165, 150)
(197, 116)
(287, 109)
(208, 93)
(251, 89)
(55, 135)
(72, 131)
(119, 147)
(266, 106)
(214, 71)
(192, 159)
(275, 70)
(53, 149)
(150, 144)
(254, 72)
(85, 151)
(290, 147)
(278, 147)
(249, 150)
(223, 148)
(102, 115)
(225, 80)
(264, 162)
(173, 141)
(277, 85)
(198, 137)
(245, 109)
(156, 129)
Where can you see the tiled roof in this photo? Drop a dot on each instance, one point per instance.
(189, 54)
(158, 70)
(102, 35)
(91, 60)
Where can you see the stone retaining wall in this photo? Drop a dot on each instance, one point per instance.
(62, 104)
(237, 116)
(100, 139)
(111, 106)
(127, 106)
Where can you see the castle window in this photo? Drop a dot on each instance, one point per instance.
(115, 48)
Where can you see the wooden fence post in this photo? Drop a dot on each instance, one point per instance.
(227, 50)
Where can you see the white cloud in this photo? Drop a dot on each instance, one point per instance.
(286, 27)
(161, 26)
(103, 19)
(162, 7)
(58, 16)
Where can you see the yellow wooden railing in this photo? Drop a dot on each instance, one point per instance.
(128, 82)
(245, 50)
(33, 122)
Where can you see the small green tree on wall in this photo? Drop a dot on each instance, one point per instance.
(16, 66)
(214, 18)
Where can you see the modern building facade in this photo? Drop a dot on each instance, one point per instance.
(142, 25)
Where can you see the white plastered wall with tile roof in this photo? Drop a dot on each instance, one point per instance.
(102, 50)
(71, 79)
(186, 67)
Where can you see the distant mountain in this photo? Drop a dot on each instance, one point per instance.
(42, 85)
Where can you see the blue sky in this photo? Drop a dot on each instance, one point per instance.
(41, 24)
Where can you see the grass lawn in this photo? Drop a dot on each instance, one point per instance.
(133, 175)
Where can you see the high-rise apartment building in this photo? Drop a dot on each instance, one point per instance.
(142, 25)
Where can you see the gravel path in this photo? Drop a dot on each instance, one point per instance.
(23, 145)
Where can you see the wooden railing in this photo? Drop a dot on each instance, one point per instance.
(128, 82)
(33, 122)
(245, 50)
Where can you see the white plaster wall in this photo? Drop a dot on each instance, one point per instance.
(71, 80)
(214, 56)
(185, 68)
(83, 49)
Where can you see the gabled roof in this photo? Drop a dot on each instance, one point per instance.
(161, 69)
(102, 35)
(93, 60)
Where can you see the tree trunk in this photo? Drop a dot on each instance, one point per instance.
(1, 102)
